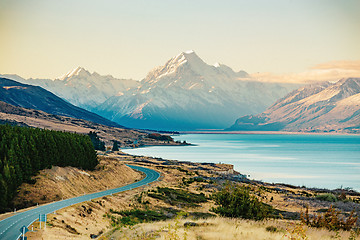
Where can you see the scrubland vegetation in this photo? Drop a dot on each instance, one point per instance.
(239, 211)
(203, 201)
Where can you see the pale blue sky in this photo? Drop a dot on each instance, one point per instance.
(47, 38)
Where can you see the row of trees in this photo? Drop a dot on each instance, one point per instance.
(25, 151)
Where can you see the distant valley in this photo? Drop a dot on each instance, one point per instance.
(33, 106)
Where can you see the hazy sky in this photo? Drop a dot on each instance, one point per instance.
(47, 38)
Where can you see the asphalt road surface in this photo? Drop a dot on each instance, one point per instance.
(10, 227)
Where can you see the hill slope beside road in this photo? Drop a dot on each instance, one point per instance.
(9, 227)
(60, 183)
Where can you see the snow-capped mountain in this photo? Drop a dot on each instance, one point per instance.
(186, 94)
(82, 88)
(323, 107)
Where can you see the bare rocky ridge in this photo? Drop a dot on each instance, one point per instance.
(323, 107)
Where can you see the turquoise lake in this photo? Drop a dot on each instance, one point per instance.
(323, 161)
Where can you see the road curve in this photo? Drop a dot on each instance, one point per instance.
(10, 227)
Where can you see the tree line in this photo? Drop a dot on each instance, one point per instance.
(24, 151)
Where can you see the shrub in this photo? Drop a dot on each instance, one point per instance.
(236, 201)
(331, 220)
(135, 216)
(160, 137)
(189, 181)
(329, 197)
(271, 229)
(178, 197)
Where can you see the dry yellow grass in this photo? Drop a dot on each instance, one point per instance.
(223, 229)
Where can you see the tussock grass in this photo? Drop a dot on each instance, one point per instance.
(220, 228)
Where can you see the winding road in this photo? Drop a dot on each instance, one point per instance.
(10, 227)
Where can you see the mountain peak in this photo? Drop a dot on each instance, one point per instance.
(187, 56)
(190, 64)
(189, 52)
(75, 72)
(217, 64)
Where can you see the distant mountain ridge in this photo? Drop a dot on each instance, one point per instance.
(322, 107)
(82, 88)
(34, 97)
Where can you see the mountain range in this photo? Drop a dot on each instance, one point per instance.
(184, 94)
(322, 107)
(82, 88)
(188, 94)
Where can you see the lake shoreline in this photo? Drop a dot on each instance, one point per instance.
(301, 160)
(266, 132)
(245, 178)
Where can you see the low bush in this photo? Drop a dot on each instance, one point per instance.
(189, 181)
(236, 201)
(331, 220)
(178, 197)
(135, 216)
(271, 229)
(329, 197)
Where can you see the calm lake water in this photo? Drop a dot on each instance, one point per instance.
(329, 161)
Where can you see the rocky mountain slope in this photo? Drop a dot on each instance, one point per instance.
(186, 94)
(323, 107)
(34, 97)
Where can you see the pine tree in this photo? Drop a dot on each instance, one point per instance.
(115, 146)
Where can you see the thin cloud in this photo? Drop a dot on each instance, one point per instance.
(344, 65)
(329, 71)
